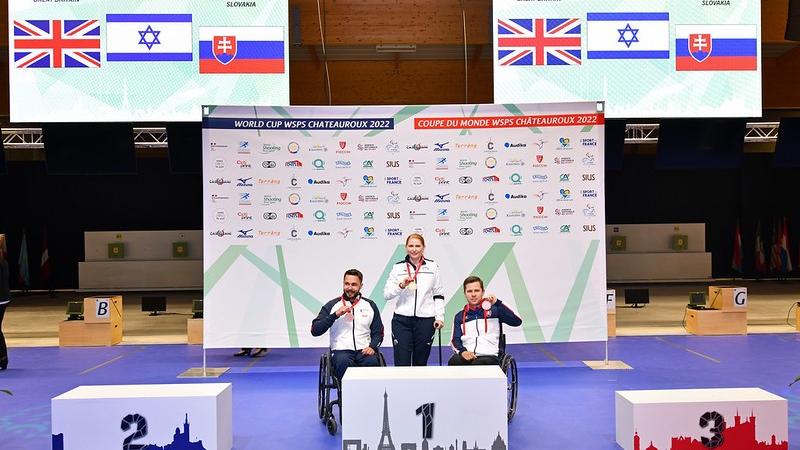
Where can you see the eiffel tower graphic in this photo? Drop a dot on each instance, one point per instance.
(386, 435)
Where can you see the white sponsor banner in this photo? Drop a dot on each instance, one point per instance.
(293, 197)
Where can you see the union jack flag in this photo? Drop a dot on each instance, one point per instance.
(56, 43)
(540, 42)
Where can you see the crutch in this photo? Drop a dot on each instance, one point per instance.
(439, 331)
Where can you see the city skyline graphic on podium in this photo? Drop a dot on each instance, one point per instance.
(180, 440)
(741, 436)
(385, 442)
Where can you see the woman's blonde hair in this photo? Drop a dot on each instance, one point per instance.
(415, 236)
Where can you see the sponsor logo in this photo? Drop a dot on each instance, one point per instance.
(344, 215)
(244, 216)
(441, 180)
(541, 229)
(589, 228)
(369, 215)
(318, 148)
(367, 198)
(565, 195)
(393, 164)
(344, 232)
(412, 163)
(540, 213)
(294, 215)
(394, 232)
(219, 164)
(369, 181)
(272, 148)
(515, 178)
(588, 177)
(244, 198)
(491, 213)
(392, 147)
(315, 233)
(269, 181)
(564, 211)
(393, 180)
(318, 164)
(244, 182)
(319, 215)
(441, 147)
(367, 164)
(220, 215)
(470, 197)
(418, 198)
(465, 231)
(214, 146)
(540, 144)
(516, 213)
(466, 146)
(588, 160)
(516, 196)
(513, 145)
(393, 215)
(244, 147)
(564, 228)
(342, 164)
(367, 147)
(442, 214)
(270, 233)
(564, 177)
(342, 147)
(219, 181)
(442, 198)
(464, 215)
(294, 198)
(490, 147)
(491, 197)
(588, 142)
(589, 193)
(343, 199)
(318, 181)
(369, 233)
(441, 163)
(393, 197)
(516, 230)
(293, 147)
(418, 180)
(417, 147)
(515, 163)
(466, 163)
(294, 235)
(539, 178)
(245, 234)
(269, 215)
(294, 183)
(564, 144)
(589, 211)
(220, 233)
(539, 161)
(491, 179)
(491, 230)
(294, 163)
(540, 195)
(270, 199)
(562, 160)
(414, 214)
(441, 232)
(343, 181)
(491, 162)
(465, 180)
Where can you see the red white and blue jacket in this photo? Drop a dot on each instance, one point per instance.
(427, 300)
(478, 330)
(354, 331)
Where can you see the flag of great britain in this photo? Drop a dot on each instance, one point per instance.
(56, 43)
(540, 42)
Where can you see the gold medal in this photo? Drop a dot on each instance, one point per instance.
(412, 286)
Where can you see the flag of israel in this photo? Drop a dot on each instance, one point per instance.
(628, 35)
(148, 37)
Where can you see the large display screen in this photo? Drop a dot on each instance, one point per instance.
(688, 58)
(144, 61)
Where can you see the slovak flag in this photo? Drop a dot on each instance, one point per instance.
(716, 47)
(627, 35)
(242, 50)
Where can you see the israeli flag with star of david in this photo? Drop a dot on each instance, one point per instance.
(628, 35)
(148, 37)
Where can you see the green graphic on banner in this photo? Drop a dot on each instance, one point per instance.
(338, 132)
(513, 109)
(499, 254)
(401, 116)
(285, 114)
(466, 131)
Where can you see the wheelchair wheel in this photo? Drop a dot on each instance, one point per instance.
(509, 367)
(381, 360)
(323, 389)
(331, 425)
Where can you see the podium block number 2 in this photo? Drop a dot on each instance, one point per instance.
(141, 431)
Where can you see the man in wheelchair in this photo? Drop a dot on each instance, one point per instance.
(355, 325)
(477, 329)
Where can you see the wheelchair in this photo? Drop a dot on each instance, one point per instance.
(328, 382)
(509, 367)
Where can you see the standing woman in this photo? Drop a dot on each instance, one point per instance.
(416, 285)
(5, 298)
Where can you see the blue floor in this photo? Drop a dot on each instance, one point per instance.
(562, 404)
